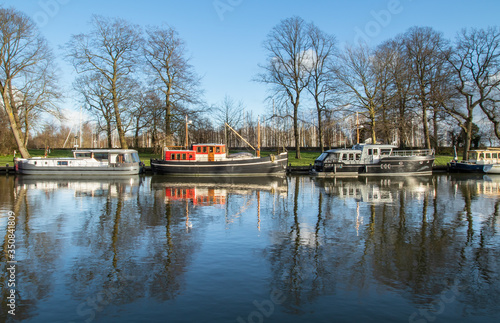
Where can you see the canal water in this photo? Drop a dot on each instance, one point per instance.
(295, 249)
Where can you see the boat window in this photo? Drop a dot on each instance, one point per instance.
(494, 155)
(211, 149)
(351, 156)
(375, 152)
(204, 149)
(488, 155)
(178, 156)
(172, 156)
(198, 149)
(183, 156)
(135, 158)
(344, 156)
(385, 152)
(82, 155)
(322, 157)
(127, 158)
(101, 156)
(370, 152)
(481, 155)
(62, 163)
(358, 156)
(217, 149)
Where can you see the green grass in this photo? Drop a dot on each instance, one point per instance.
(307, 157)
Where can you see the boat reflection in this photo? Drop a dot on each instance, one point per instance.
(214, 191)
(375, 190)
(124, 186)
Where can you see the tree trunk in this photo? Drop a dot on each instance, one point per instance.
(296, 133)
(372, 124)
(119, 126)
(468, 137)
(426, 128)
(320, 127)
(168, 127)
(435, 128)
(15, 128)
(109, 134)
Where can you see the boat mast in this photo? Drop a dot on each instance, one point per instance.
(239, 136)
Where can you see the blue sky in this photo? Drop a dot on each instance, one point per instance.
(224, 37)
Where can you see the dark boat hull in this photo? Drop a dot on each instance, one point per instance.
(461, 167)
(417, 165)
(264, 166)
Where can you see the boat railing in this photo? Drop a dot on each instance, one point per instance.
(413, 152)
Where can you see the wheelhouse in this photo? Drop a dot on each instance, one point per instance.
(198, 152)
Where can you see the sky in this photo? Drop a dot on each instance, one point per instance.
(225, 38)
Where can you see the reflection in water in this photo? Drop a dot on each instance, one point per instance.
(170, 249)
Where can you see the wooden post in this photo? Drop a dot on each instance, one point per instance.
(258, 137)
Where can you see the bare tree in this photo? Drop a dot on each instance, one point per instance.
(24, 58)
(97, 100)
(289, 51)
(425, 49)
(172, 75)
(362, 82)
(400, 86)
(230, 112)
(475, 61)
(321, 85)
(111, 50)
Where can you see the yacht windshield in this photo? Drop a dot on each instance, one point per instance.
(322, 157)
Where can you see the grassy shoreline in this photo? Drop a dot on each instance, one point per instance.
(308, 157)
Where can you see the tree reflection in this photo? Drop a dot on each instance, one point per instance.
(414, 240)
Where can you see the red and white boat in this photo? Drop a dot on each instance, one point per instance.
(214, 160)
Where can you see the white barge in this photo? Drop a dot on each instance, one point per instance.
(101, 162)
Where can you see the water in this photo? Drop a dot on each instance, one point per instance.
(152, 249)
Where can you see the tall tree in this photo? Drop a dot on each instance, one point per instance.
(362, 82)
(425, 49)
(321, 85)
(23, 55)
(97, 100)
(230, 112)
(475, 61)
(289, 51)
(111, 50)
(172, 75)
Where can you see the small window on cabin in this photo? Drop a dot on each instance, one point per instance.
(217, 149)
(351, 156)
(370, 152)
(211, 149)
(375, 152)
(198, 149)
(183, 156)
(35, 163)
(385, 152)
(488, 155)
(344, 156)
(357, 156)
(481, 155)
(494, 155)
(178, 156)
(172, 156)
(204, 149)
(62, 163)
